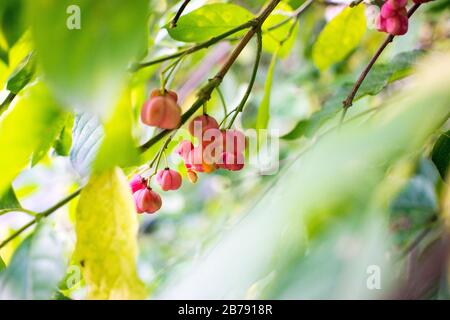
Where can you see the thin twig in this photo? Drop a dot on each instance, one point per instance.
(294, 15)
(222, 100)
(347, 103)
(5, 104)
(241, 105)
(39, 216)
(194, 48)
(183, 6)
(355, 3)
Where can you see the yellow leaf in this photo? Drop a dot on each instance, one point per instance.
(339, 37)
(106, 228)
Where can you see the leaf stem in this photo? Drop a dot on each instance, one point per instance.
(8, 210)
(39, 216)
(194, 48)
(241, 105)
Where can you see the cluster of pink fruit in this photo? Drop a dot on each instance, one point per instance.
(393, 18)
(216, 149)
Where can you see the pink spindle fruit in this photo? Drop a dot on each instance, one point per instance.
(169, 179)
(162, 112)
(137, 183)
(146, 200)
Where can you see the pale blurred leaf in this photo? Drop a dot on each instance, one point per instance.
(24, 128)
(106, 228)
(36, 267)
(85, 67)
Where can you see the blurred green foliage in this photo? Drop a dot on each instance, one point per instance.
(348, 197)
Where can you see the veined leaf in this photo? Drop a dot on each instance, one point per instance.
(209, 21)
(263, 116)
(106, 228)
(339, 37)
(36, 267)
(87, 135)
(23, 128)
(88, 65)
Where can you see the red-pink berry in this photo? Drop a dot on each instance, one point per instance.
(387, 10)
(202, 123)
(232, 162)
(397, 4)
(146, 200)
(162, 112)
(397, 26)
(183, 148)
(169, 179)
(137, 183)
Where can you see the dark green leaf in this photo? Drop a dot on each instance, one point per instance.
(441, 154)
(11, 19)
(36, 267)
(9, 200)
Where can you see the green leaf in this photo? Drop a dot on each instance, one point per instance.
(441, 154)
(106, 228)
(9, 199)
(272, 38)
(209, 21)
(11, 20)
(383, 74)
(63, 143)
(263, 116)
(87, 135)
(36, 267)
(85, 67)
(118, 147)
(48, 139)
(23, 128)
(308, 127)
(2, 264)
(18, 80)
(339, 37)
